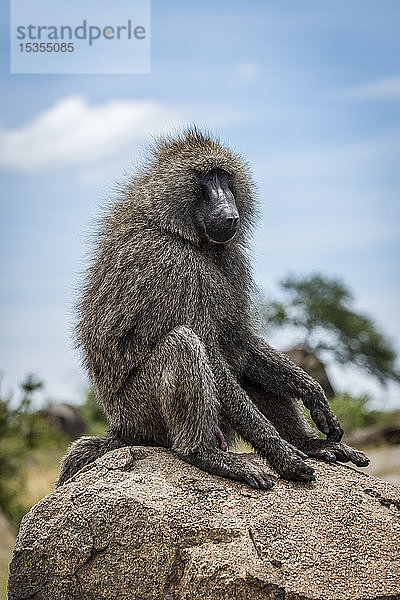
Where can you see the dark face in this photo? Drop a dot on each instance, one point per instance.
(219, 211)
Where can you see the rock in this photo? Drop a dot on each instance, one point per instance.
(311, 364)
(140, 524)
(66, 419)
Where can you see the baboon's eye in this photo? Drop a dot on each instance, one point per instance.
(225, 177)
(214, 185)
(204, 192)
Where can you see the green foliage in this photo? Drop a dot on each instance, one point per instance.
(26, 439)
(321, 309)
(354, 413)
(351, 411)
(21, 431)
(11, 453)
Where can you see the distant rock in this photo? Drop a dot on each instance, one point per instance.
(140, 524)
(66, 419)
(309, 362)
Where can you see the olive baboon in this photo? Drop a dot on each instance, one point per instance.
(167, 333)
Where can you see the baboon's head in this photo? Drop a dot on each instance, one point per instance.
(198, 189)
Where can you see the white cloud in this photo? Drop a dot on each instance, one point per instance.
(74, 133)
(387, 88)
(101, 140)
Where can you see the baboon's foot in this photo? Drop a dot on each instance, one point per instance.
(233, 466)
(287, 460)
(335, 451)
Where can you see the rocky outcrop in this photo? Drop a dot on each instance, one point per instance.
(140, 524)
(66, 419)
(311, 364)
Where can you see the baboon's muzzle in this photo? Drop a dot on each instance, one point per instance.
(221, 217)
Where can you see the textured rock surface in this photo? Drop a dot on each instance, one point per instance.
(139, 524)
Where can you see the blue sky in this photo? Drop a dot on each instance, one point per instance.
(307, 91)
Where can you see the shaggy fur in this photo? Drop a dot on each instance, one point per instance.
(165, 327)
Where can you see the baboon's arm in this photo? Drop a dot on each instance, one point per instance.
(281, 378)
(238, 409)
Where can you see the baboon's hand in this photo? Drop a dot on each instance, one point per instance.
(322, 415)
(326, 422)
(288, 461)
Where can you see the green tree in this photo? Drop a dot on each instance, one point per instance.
(321, 310)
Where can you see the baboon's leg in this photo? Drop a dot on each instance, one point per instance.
(178, 379)
(275, 372)
(287, 416)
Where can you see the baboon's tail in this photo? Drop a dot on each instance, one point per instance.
(84, 451)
